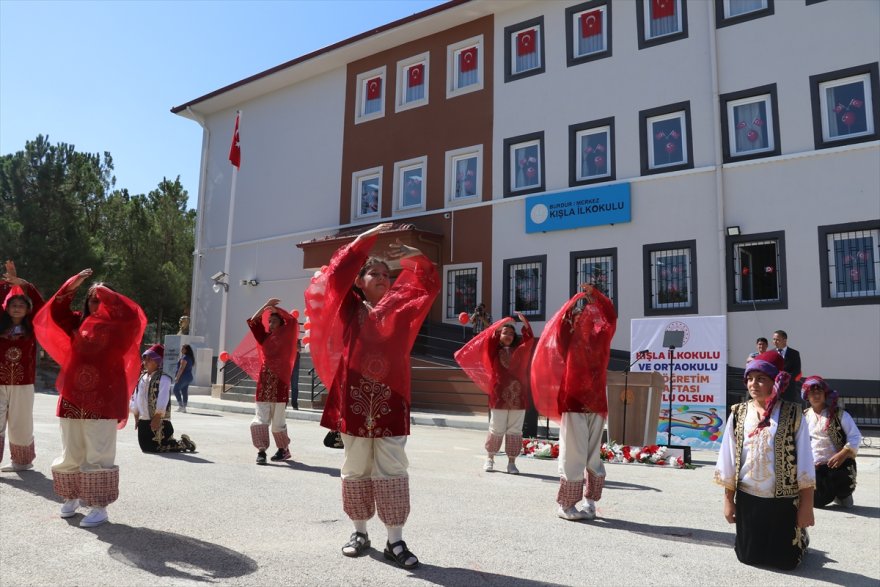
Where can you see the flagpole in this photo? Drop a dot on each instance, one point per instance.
(221, 375)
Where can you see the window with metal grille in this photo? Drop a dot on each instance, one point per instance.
(461, 291)
(598, 268)
(525, 286)
(853, 263)
(757, 275)
(671, 276)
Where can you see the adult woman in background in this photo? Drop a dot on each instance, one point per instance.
(184, 376)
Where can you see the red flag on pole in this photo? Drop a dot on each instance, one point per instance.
(235, 149)
(467, 59)
(374, 88)
(662, 8)
(591, 23)
(525, 43)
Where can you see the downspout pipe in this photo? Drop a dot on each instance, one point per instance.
(198, 253)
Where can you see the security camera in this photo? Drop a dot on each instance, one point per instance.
(218, 276)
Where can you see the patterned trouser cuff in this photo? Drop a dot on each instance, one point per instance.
(513, 445)
(493, 443)
(282, 440)
(99, 488)
(260, 436)
(357, 499)
(22, 455)
(66, 485)
(569, 492)
(594, 485)
(392, 500)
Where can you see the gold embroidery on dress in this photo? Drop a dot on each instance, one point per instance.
(504, 355)
(371, 400)
(268, 385)
(511, 395)
(11, 369)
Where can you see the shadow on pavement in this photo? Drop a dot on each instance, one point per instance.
(673, 533)
(164, 554)
(33, 482)
(813, 569)
(862, 511)
(181, 456)
(331, 471)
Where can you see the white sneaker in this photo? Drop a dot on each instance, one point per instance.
(572, 513)
(183, 409)
(489, 465)
(17, 467)
(846, 502)
(68, 509)
(96, 517)
(589, 510)
(511, 469)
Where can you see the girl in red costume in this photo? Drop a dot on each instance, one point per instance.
(97, 350)
(568, 382)
(361, 339)
(18, 367)
(267, 354)
(498, 363)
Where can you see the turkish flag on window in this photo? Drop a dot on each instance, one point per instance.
(374, 88)
(662, 8)
(467, 59)
(591, 23)
(525, 42)
(416, 75)
(235, 148)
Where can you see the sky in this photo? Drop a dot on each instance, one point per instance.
(103, 76)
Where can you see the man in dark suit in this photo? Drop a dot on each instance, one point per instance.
(792, 360)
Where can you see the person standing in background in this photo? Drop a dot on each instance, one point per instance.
(184, 377)
(792, 366)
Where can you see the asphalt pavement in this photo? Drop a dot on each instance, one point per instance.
(214, 517)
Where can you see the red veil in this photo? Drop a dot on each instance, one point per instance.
(478, 356)
(100, 358)
(277, 351)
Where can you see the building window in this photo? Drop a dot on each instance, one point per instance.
(525, 287)
(845, 106)
(588, 31)
(849, 263)
(464, 67)
(756, 270)
(524, 164)
(461, 290)
(598, 268)
(670, 273)
(591, 152)
(370, 95)
(661, 21)
(464, 174)
(750, 124)
(728, 12)
(409, 184)
(524, 49)
(412, 82)
(367, 192)
(666, 143)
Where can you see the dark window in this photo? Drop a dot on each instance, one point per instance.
(849, 263)
(525, 287)
(461, 291)
(756, 272)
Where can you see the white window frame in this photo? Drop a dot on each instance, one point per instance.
(403, 67)
(400, 168)
(649, 128)
(512, 39)
(728, 15)
(576, 27)
(768, 124)
(647, 21)
(452, 53)
(479, 288)
(361, 96)
(579, 176)
(514, 162)
(359, 178)
(449, 183)
(833, 292)
(868, 106)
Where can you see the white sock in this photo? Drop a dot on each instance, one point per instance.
(360, 526)
(395, 534)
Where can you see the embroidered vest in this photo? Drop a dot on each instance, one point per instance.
(153, 395)
(835, 431)
(784, 447)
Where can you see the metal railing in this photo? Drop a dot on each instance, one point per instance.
(232, 375)
(317, 387)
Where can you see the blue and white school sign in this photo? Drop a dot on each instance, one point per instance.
(578, 208)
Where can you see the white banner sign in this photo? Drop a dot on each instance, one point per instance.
(699, 376)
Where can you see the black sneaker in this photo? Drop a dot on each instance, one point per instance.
(261, 457)
(281, 455)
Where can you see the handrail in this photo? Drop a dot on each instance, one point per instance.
(316, 385)
(233, 375)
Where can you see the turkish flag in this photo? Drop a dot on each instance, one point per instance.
(662, 8)
(416, 75)
(467, 59)
(525, 42)
(235, 149)
(374, 88)
(591, 23)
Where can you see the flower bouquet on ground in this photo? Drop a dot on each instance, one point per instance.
(540, 449)
(653, 454)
